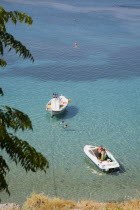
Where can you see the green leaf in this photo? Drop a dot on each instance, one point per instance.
(1, 92)
(3, 171)
(3, 63)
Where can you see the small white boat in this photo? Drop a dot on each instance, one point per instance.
(57, 104)
(110, 164)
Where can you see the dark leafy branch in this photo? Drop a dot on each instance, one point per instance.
(15, 119)
(12, 119)
(3, 170)
(18, 150)
(1, 92)
(14, 16)
(7, 40)
(21, 152)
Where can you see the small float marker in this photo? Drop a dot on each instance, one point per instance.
(75, 44)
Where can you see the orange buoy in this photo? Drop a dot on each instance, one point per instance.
(75, 44)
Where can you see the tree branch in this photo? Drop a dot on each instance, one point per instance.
(8, 40)
(21, 152)
(3, 170)
(15, 119)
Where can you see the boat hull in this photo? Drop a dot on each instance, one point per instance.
(53, 113)
(105, 170)
(108, 165)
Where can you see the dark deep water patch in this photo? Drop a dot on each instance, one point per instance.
(121, 65)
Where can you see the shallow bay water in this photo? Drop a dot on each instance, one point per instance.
(100, 75)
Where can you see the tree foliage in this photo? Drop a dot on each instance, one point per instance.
(11, 119)
(1, 92)
(18, 150)
(7, 40)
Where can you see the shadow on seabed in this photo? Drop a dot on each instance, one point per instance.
(70, 112)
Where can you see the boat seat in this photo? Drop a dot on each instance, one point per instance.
(49, 106)
(61, 106)
(95, 152)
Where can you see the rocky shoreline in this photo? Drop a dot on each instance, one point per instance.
(42, 202)
(9, 206)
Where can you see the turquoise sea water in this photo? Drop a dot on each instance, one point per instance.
(102, 78)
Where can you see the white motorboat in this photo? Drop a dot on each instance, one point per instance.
(110, 164)
(57, 104)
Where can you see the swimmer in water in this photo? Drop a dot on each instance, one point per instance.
(65, 126)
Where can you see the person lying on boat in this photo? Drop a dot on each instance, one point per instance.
(99, 150)
(103, 155)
